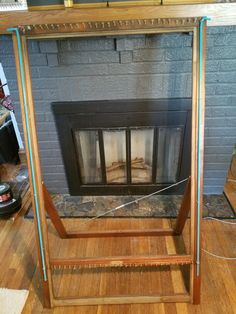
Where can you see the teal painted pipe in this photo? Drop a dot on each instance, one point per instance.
(199, 161)
(22, 73)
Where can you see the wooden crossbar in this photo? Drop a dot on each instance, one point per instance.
(120, 261)
(121, 299)
(122, 233)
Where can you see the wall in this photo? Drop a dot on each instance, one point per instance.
(131, 67)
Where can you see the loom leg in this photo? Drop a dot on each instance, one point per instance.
(52, 212)
(184, 209)
(196, 288)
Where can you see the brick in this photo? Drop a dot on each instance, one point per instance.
(219, 131)
(178, 54)
(227, 65)
(46, 126)
(226, 89)
(88, 57)
(42, 106)
(211, 190)
(210, 89)
(56, 186)
(150, 67)
(48, 46)
(223, 111)
(220, 122)
(219, 149)
(48, 83)
(54, 177)
(53, 169)
(52, 59)
(14, 95)
(33, 46)
(212, 65)
(6, 48)
(73, 70)
(54, 145)
(220, 100)
(222, 77)
(51, 161)
(168, 40)
(126, 57)
(215, 174)
(45, 117)
(47, 136)
(226, 141)
(50, 153)
(124, 44)
(217, 166)
(12, 84)
(38, 59)
(93, 44)
(226, 39)
(214, 182)
(176, 85)
(45, 95)
(7, 60)
(218, 53)
(112, 87)
(10, 73)
(216, 158)
(221, 29)
(148, 55)
(5, 37)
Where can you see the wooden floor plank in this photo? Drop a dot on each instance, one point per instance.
(18, 265)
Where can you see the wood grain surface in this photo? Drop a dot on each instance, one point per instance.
(220, 13)
(18, 264)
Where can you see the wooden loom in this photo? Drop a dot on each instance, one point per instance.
(42, 201)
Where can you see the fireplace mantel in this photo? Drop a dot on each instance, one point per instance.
(221, 14)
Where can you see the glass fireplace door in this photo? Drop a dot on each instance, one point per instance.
(125, 147)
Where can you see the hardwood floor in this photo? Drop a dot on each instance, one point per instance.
(18, 267)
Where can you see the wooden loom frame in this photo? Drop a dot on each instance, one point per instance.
(42, 198)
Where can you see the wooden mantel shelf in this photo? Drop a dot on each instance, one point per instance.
(220, 14)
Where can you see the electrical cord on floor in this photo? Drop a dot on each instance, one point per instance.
(215, 255)
(222, 221)
(219, 256)
(231, 180)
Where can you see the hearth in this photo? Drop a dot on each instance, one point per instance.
(121, 147)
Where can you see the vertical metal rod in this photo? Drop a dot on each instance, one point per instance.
(154, 155)
(22, 73)
(102, 157)
(128, 156)
(199, 159)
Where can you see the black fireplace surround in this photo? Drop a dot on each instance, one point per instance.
(120, 147)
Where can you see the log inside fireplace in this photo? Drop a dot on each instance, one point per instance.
(120, 147)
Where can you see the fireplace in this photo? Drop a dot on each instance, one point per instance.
(123, 147)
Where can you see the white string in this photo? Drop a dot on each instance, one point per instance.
(136, 201)
(215, 255)
(223, 221)
(219, 256)
(231, 180)
(159, 191)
